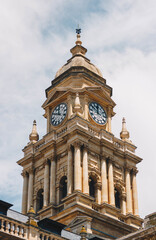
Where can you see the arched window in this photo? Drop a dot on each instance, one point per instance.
(39, 200)
(91, 187)
(63, 187)
(117, 199)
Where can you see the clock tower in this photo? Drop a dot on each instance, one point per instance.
(79, 173)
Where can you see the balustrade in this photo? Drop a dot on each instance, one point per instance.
(12, 227)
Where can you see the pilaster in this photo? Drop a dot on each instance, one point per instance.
(70, 108)
(104, 190)
(77, 167)
(86, 110)
(52, 180)
(85, 178)
(46, 183)
(111, 183)
(25, 192)
(134, 193)
(69, 171)
(128, 190)
(30, 188)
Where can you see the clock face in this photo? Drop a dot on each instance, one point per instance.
(97, 113)
(59, 114)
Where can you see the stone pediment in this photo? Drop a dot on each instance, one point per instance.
(79, 220)
(57, 93)
(97, 92)
(100, 92)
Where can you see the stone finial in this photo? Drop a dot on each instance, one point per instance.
(33, 137)
(78, 49)
(83, 233)
(31, 214)
(124, 134)
(78, 31)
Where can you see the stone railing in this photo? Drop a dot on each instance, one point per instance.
(12, 227)
(93, 131)
(61, 132)
(39, 144)
(46, 236)
(118, 144)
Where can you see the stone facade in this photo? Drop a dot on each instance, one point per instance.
(79, 171)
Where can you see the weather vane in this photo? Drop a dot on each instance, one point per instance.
(78, 30)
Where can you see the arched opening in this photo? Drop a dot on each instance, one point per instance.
(117, 199)
(63, 187)
(39, 200)
(91, 187)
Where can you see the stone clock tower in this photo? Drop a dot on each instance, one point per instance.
(79, 173)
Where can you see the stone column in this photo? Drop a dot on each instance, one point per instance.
(111, 183)
(46, 184)
(48, 120)
(128, 191)
(52, 180)
(77, 167)
(25, 192)
(30, 189)
(70, 110)
(104, 193)
(98, 192)
(86, 107)
(135, 194)
(85, 177)
(109, 119)
(123, 203)
(69, 172)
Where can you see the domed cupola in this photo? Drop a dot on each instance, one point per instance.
(78, 59)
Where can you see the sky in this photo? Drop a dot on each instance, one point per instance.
(35, 41)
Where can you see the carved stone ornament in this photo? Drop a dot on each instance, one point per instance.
(31, 170)
(94, 175)
(98, 185)
(24, 173)
(77, 144)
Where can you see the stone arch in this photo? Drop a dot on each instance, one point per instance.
(93, 180)
(94, 175)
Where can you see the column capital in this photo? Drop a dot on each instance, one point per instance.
(110, 159)
(31, 170)
(69, 146)
(85, 146)
(24, 173)
(134, 171)
(103, 157)
(127, 168)
(77, 144)
(46, 161)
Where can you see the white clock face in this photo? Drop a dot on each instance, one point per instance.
(59, 114)
(97, 113)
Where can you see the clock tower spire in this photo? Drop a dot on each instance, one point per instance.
(79, 172)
